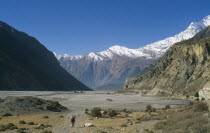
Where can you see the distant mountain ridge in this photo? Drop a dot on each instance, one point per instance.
(153, 50)
(89, 66)
(25, 64)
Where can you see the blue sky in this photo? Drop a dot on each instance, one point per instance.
(82, 26)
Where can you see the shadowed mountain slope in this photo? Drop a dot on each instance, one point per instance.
(25, 64)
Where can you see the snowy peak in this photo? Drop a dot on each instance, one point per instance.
(154, 50)
(123, 51)
(206, 21)
(195, 25)
(158, 48)
(200, 25)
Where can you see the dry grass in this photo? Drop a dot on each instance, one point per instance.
(189, 119)
(35, 118)
(184, 122)
(200, 106)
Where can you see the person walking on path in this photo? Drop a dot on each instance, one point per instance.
(72, 121)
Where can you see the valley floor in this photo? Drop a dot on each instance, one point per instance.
(125, 122)
(193, 117)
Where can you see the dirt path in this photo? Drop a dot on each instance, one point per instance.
(65, 127)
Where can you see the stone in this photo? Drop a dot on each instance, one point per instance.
(204, 94)
(88, 125)
(6, 114)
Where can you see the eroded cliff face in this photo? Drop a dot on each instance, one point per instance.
(184, 69)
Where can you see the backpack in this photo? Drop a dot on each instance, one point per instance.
(72, 119)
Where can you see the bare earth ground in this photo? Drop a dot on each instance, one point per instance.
(78, 102)
(63, 125)
(109, 125)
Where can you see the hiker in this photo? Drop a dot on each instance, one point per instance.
(72, 121)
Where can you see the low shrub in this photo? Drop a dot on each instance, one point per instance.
(123, 125)
(112, 113)
(153, 109)
(46, 117)
(160, 125)
(148, 108)
(10, 126)
(200, 106)
(61, 116)
(196, 94)
(21, 130)
(167, 107)
(31, 123)
(6, 115)
(2, 128)
(96, 112)
(102, 132)
(148, 131)
(43, 126)
(46, 131)
(22, 122)
(191, 103)
(86, 111)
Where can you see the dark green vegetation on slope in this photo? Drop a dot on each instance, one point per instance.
(184, 69)
(25, 64)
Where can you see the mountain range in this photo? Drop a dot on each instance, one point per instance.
(25, 64)
(112, 66)
(184, 69)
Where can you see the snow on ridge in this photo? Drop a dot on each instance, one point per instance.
(160, 47)
(66, 56)
(153, 50)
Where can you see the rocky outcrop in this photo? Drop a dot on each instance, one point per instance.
(205, 92)
(28, 104)
(184, 69)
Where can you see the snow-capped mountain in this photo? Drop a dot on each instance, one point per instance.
(114, 65)
(109, 53)
(153, 50)
(159, 48)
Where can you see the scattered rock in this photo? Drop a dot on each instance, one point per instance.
(88, 125)
(130, 123)
(39, 125)
(6, 114)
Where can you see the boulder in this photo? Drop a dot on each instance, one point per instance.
(88, 125)
(205, 92)
(6, 114)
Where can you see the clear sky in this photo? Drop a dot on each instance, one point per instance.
(82, 26)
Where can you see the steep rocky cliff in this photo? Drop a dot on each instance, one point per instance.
(184, 69)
